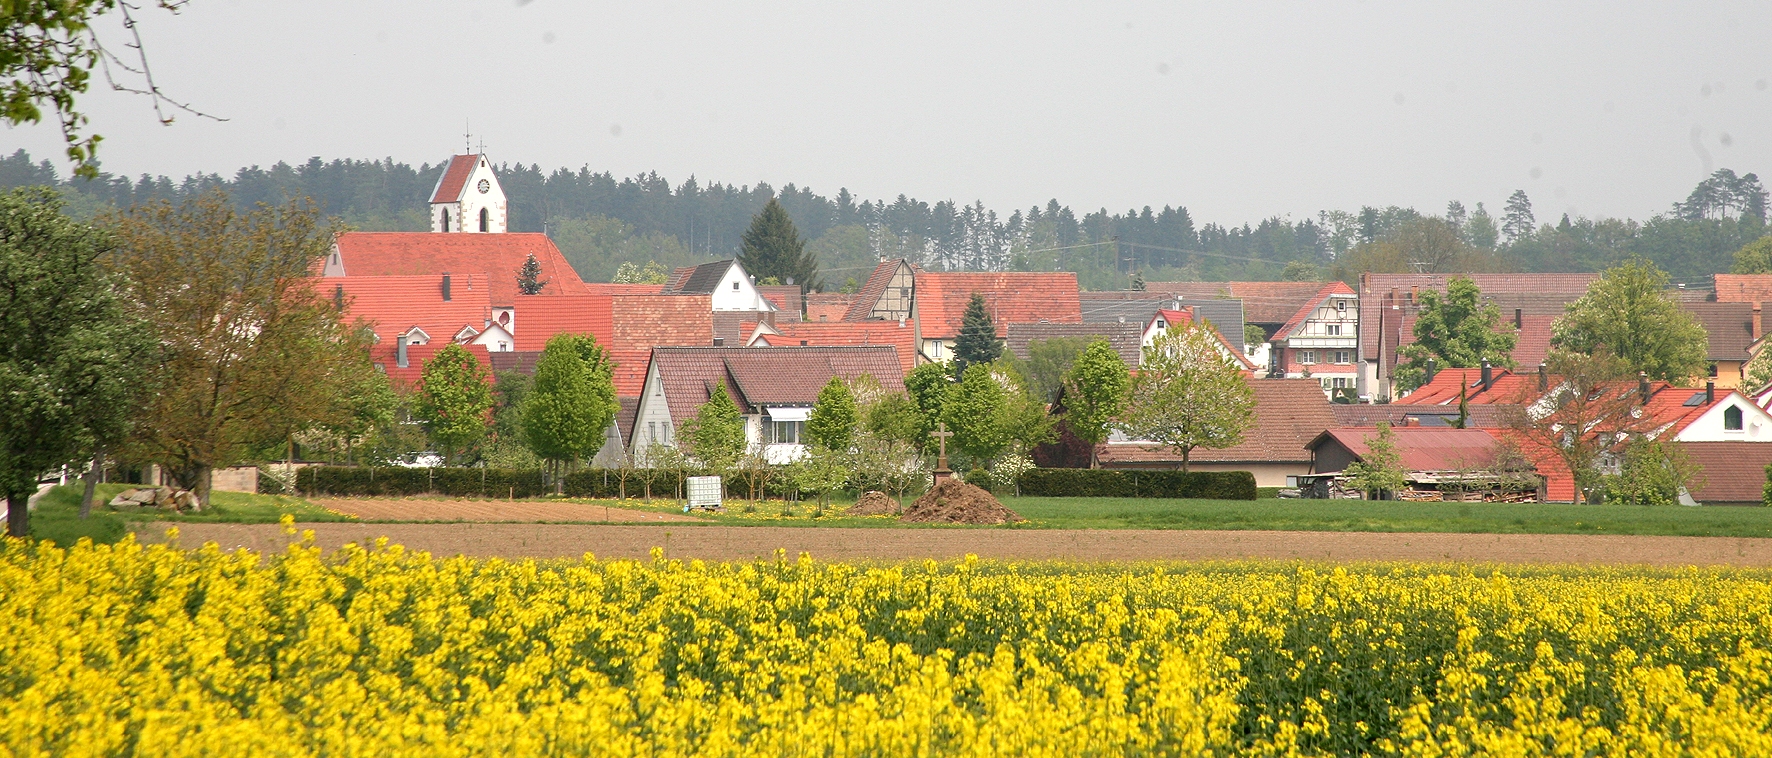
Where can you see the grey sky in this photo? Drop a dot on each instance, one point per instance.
(1236, 110)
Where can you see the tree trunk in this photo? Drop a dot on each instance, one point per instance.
(1094, 460)
(1185, 452)
(200, 485)
(98, 466)
(18, 522)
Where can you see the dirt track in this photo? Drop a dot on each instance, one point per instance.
(437, 509)
(741, 543)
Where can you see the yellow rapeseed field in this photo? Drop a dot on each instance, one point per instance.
(132, 649)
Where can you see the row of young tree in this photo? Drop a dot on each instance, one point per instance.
(601, 222)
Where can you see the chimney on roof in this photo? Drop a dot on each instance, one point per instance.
(1519, 318)
(1543, 378)
(1414, 293)
(1643, 385)
(400, 351)
(445, 288)
(1488, 375)
(1757, 322)
(719, 342)
(1430, 371)
(1710, 392)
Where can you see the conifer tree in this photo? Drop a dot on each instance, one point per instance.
(977, 342)
(772, 248)
(529, 281)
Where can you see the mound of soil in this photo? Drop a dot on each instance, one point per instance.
(955, 502)
(873, 503)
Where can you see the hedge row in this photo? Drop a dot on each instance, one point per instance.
(495, 483)
(1082, 482)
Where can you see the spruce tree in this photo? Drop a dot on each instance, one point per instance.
(773, 248)
(529, 281)
(977, 342)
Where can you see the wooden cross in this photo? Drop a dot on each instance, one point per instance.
(941, 435)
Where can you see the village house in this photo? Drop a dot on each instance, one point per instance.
(1732, 329)
(1320, 341)
(774, 388)
(419, 310)
(725, 282)
(1288, 413)
(934, 303)
(1166, 319)
(1267, 305)
(1390, 303)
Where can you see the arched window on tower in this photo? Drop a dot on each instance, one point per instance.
(444, 214)
(485, 221)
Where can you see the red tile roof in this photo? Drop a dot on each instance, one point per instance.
(538, 318)
(1744, 288)
(1734, 472)
(642, 322)
(454, 179)
(1479, 416)
(1288, 413)
(1310, 307)
(1505, 387)
(827, 307)
(1263, 302)
(786, 297)
(759, 377)
(1532, 341)
(385, 356)
(392, 305)
(608, 288)
(862, 303)
(1011, 298)
(902, 339)
(499, 257)
(1421, 448)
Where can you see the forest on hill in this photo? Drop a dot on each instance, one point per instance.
(601, 221)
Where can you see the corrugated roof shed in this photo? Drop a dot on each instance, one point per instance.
(1421, 448)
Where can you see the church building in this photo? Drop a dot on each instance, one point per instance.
(468, 198)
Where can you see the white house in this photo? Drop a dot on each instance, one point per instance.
(726, 281)
(1165, 318)
(774, 389)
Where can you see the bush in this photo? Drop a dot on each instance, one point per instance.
(393, 481)
(1081, 482)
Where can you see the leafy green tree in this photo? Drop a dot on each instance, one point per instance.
(1301, 271)
(1629, 311)
(1517, 221)
(1095, 394)
(1026, 416)
(71, 361)
(1754, 258)
(834, 416)
(1652, 472)
(47, 54)
(1188, 394)
(1380, 471)
(977, 414)
(250, 351)
(895, 418)
(1047, 363)
(529, 281)
(772, 247)
(570, 402)
(977, 341)
(1253, 335)
(1480, 231)
(928, 387)
(367, 404)
(629, 273)
(454, 395)
(1457, 330)
(716, 434)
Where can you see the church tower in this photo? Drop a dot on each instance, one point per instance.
(468, 198)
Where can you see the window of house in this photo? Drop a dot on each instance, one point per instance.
(1713, 369)
(485, 221)
(1732, 418)
(1341, 305)
(445, 216)
(783, 432)
(1335, 330)
(1344, 357)
(735, 286)
(503, 346)
(1307, 356)
(1340, 382)
(652, 431)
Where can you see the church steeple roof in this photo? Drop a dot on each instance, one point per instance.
(455, 180)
